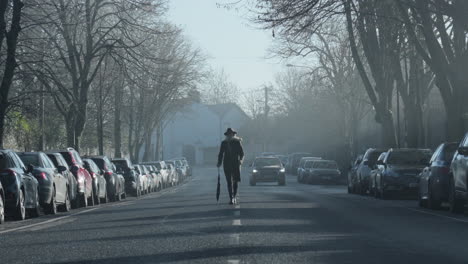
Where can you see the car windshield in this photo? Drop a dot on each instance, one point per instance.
(267, 162)
(3, 161)
(408, 158)
(325, 165)
(121, 164)
(100, 163)
(373, 156)
(30, 159)
(448, 152)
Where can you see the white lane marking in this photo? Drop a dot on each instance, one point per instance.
(49, 225)
(236, 222)
(439, 215)
(236, 213)
(47, 221)
(234, 239)
(233, 261)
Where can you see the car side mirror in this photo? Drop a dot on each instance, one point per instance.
(366, 162)
(380, 162)
(463, 151)
(61, 169)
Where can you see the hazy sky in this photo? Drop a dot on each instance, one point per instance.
(228, 39)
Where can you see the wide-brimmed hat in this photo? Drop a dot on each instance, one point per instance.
(230, 131)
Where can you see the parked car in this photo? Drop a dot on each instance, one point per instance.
(364, 170)
(377, 168)
(458, 188)
(173, 176)
(151, 179)
(2, 204)
(20, 186)
(58, 161)
(301, 170)
(267, 169)
(143, 178)
(132, 178)
(181, 170)
(82, 176)
(434, 179)
(400, 170)
(99, 182)
(53, 186)
(294, 160)
(162, 167)
(115, 183)
(352, 175)
(156, 177)
(323, 171)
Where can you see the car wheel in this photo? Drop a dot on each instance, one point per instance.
(66, 206)
(2, 210)
(91, 199)
(83, 200)
(97, 200)
(456, 205)
(105, 199)
(421, 202)
(51, 208)
(20, 212)
(432, 202)
(124, 195)
(118, 197)
(36, 211)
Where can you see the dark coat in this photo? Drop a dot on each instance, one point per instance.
(231, 155)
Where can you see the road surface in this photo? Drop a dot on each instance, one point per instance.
(295, 223)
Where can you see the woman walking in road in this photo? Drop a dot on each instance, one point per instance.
(231, 156)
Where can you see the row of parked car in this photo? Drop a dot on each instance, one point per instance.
(433, 178)
(61, 180)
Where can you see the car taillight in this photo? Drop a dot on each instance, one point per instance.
(108, 173)
(7, 173)
(94, 175)
(41, 175)
(445, 170)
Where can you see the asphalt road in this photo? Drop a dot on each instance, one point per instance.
(272, 224)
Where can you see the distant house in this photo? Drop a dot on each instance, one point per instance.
(196, 132)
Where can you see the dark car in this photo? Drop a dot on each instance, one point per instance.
(322, 171)
(434, 180)
(399, 172)
(58, 161)
(82, 176)
(2, 204)
(132, 179)
(267, 169)
(458, 188)
(99, 182)
(294, 160)
(53, 186)
(352, 175)
(115, 182)
(20, 187)
(377, 168)
(364, 170)
(302, 170)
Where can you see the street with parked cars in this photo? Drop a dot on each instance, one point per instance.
(36, 183)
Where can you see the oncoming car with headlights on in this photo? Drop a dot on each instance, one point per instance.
(267, 169)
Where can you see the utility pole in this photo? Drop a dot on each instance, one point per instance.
(265, 122)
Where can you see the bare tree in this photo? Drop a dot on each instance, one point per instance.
(10, 27)
(218, 89)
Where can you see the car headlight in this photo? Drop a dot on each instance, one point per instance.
(254, 171)
(283, 170)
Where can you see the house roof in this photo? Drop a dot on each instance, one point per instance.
(222, 109)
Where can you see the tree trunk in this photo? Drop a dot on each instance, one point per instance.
(100, 128)
(3, 108)
(147, 155)
(117, 121)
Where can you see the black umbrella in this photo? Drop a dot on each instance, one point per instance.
(218, 188)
